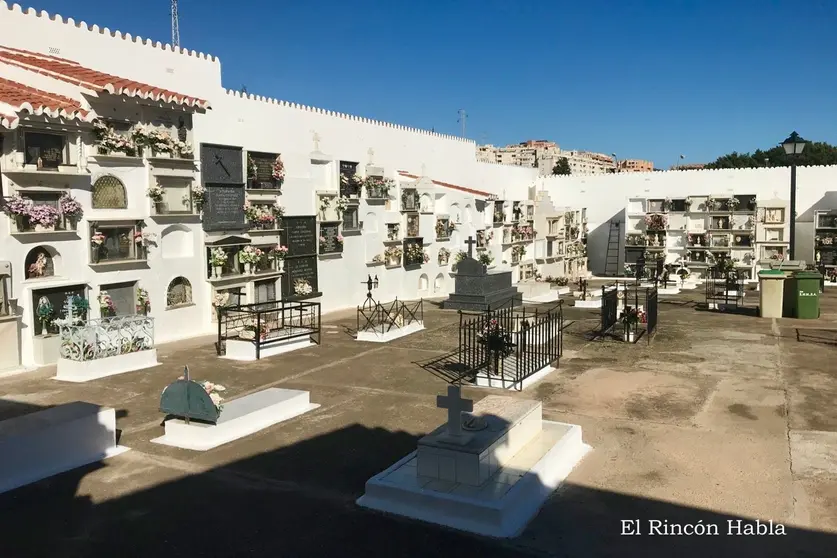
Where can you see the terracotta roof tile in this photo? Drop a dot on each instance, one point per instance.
(24, 98)
(73, 72)
(447, 185)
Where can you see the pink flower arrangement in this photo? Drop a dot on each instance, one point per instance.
(278, 169)
(45, 215)
(69, 207)
(340, 240)
(98, 238)
(279, 252)
(17, 205)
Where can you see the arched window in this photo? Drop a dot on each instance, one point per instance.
(179, 292)
(109, 193)
(39, 263)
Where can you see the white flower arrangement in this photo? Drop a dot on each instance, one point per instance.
(302, 287)
(250, 254)
(220, 299)
(342, 204)
(155, 192)
(218, 257)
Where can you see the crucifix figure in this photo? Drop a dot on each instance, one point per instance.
(470, 242)
(455, 405)
(316, 141)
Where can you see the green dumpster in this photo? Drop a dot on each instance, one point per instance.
(789, 296)
(807, 289)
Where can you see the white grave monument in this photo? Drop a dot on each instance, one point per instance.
(55, 440)
(488, 474)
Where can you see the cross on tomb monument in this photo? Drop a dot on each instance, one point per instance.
(371, 154)
(68, 311)
(316, 141)
(470, 242)
(455, 405)
(423, 169)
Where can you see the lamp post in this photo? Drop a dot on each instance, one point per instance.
(615, 163)
(793, 146)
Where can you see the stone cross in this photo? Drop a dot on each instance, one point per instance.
(455, 405)
(423, 169)
(371, 154)
(316, 141)
(470, 242)
(68, 311)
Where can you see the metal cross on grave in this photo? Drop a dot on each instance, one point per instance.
(455, 405)
(470, 242)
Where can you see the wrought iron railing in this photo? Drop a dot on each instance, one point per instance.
(383, 317)
(106, 337)
(263, 323)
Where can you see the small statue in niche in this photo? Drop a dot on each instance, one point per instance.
(40, 163)
(181, 129)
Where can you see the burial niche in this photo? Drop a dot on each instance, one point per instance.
(423, 282)
(176, 241)
(370, 223)
(109, 193)
(439, 283)
(179, 292)
(40, 262)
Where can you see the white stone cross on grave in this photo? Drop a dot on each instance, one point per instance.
(423, 169)
(470, 242)
(68, 311)
(455, 405)
(316, 141)
(371, 154)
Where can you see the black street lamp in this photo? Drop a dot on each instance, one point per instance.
(793, 146)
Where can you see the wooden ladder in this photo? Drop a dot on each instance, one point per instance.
(612, 255)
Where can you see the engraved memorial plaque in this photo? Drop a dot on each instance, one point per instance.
(224, 208)
(300, 236)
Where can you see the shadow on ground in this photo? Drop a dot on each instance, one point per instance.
(299, 500)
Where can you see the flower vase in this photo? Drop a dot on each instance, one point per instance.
(159, 207)
(248, 269)
(216, 271)
(281, 265)
(630, 335)
(94, 254)
(22, 223)
(161, 154)
(44, 228)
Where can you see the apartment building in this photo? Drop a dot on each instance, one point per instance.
(635, 165)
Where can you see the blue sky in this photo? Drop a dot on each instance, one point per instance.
(642, 79)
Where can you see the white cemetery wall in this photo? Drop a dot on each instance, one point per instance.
(176, 250)
(109, 51)
(606, 196)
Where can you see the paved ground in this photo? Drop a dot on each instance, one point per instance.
(721, 417)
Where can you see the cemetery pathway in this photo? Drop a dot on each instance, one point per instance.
(721, 417)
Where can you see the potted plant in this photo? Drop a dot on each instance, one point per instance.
(96, 241)
(107, 308)
(278, 253)
(377, 187)
(45, 313)
(325, 204)
(340, 206)
(217, 258)
(278, 172)
(44, 217)
(444, 256)
(155, 192)
(461, 255)
(70, 209)
(733, 203)
(248, 256)
(198, 196)
(486, 259)
(143, 301)
(630, 320)
(17, 208)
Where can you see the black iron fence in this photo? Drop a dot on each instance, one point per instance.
(379, 318)
(650, 312)
(267, 323)
(723, 289)
(610, 308)
(509, 345)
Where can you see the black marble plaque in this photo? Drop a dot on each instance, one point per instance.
(300, 235)
(303, 267)
(330, 245)
(221, 164)
(48, 147)
(828, 256)
(263, 163)
(224, 208)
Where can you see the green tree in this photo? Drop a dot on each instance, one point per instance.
(562, 167)
(815, 153)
